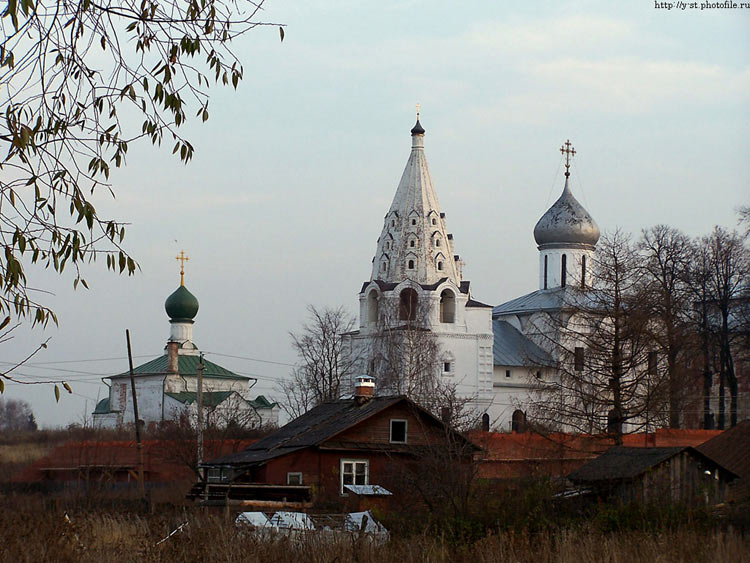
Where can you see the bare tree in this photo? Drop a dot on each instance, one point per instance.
(16, 415)
(665, 295)
(324, 370)
(81, 82)
(601, 344)
(728, 268)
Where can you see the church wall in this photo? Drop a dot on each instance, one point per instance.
(573, 262)
(149, 390)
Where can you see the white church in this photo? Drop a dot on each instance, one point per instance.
(493, 356)
(167, 386)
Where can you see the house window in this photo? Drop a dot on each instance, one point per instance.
(294, 478)
(354, 472)
(398, 431)
(578, 359)
(217, 475)
(447, 367)
(507, 373)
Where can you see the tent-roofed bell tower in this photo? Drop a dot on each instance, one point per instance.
(416, 301)
(414, 243)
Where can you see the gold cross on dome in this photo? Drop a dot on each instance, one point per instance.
(568, 150)
(417, 112)
(182, 258)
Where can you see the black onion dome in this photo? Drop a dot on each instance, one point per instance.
(417, 129)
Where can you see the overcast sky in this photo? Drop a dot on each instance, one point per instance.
(283, 203)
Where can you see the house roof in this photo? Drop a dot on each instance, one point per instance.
(511, 348)
(316, 426)
(187, 365)
(731, 449)
(621, 462)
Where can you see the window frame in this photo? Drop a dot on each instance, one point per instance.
(406, 431)
(354, 462)
(290, 474)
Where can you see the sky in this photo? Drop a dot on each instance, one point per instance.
(283, 202)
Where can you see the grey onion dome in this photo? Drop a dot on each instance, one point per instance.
(417, 129)
(566, 222)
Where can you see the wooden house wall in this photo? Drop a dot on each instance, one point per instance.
(377, 429)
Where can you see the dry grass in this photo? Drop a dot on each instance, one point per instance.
(33, 532)
(24, 453)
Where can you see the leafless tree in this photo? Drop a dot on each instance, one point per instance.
(16, 415)
(324, 370)
(726, 278)
(600, 340)
(665, 295)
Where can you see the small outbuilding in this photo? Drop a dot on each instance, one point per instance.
(676, 474)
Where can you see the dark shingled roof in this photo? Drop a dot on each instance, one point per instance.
(622, 463)
(187, 365)
(731, 449)
(315, 427)
(512, 348)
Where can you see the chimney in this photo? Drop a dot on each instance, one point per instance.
(172, 357)
(364, 389)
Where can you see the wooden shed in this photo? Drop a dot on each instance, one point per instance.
(677, 474)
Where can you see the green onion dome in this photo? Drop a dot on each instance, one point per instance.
(181, 305)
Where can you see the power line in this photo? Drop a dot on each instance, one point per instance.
(252, 359)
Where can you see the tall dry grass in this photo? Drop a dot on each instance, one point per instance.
(32, 531)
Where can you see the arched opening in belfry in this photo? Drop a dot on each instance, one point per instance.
(545, 271)
(447, 307)
(564, 270)
(408, 301)
(373, 306)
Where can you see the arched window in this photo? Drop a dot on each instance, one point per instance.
(408, 301)
(583, 272)
(410, 264)
(545, 271)
(382, 267)
(413, 221)
(440, 265)
(486, 422)
(373, 306)
(412, 243)
(434, 221)
(518, 422)
(563, 270)
(437, 242)
(447, 307)
(393, 222)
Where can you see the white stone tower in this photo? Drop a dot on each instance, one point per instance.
(566, 236)
(416, 284)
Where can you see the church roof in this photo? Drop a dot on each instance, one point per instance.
(566, 222)
(511, 348)
(187, 365)
(414, 243)
(210, 398)
(544, 300)
(181, 305)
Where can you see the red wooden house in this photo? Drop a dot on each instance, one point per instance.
(363, 440)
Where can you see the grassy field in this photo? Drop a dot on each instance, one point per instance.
(34, 530)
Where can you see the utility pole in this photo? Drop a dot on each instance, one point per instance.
(135, 413)
(200, 409)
